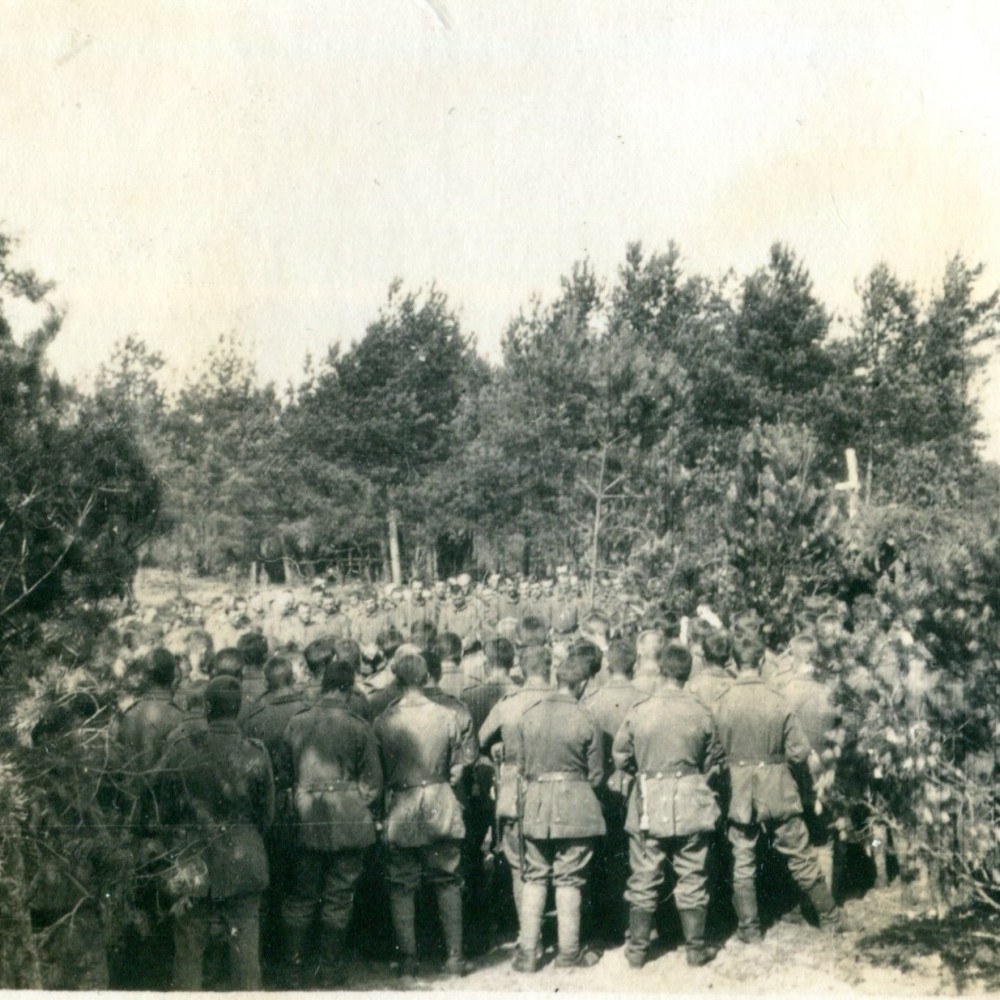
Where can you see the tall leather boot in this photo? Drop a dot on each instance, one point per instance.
(693, 922)
(831, 916)
(449, 900)
(533, 897)
(403, 912)
(331, 958)
(640, 929)
(745, 904)
(571, 955)
(295, 946)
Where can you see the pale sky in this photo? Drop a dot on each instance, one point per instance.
(183, 169)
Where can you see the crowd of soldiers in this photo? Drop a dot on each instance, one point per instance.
(303, 763)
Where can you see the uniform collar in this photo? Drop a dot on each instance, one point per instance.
(338, 698)
(535, 684)
(748, 679)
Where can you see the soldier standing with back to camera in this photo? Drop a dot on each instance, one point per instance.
(668, 742)
(216, 795)
(560, 761)
(762, 739)
(423, 763)
(332, 758)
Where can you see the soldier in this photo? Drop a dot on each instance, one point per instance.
(609, 705)
(423, 763)
(820, 719)
(448, 647)
(319, 654)
(142, 729)
(480, 697)
(761, 739)
(714, 678)
(559, 754)
(668, 742)
(331, 758)
(216, 793)
(265, 720)
(493, 736)
(252, 647)
(647, 662)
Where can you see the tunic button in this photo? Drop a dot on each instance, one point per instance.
(680, 774)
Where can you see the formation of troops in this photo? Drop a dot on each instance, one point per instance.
(312, 765)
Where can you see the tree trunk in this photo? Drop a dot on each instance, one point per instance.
(397, 573)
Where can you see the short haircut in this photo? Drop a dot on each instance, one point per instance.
(222, 697)
(278, 671)
(532, 631)
(675, 661)
(227, 661)
(649, 643)
(574, 669)
(620, 656)
(389, 641)
(716, 648)
(253, 647)
(338, 675)
(410, 670)
(448, 646)
(587, 653)
(349, 650)
(319, 653)
(500, 653)
(433, 662)
(748, 649)
(423, 633)
(535, 661)
(596, 623)
(162, 667)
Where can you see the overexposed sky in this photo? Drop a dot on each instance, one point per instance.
(184, 169)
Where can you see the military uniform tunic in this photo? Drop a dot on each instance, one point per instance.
(337, 781)
(216, 795)
(761, 739)
(668, 742)
(560, 757)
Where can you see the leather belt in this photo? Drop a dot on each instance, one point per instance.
(420, 784)
(332, 786)
(556, 776)
(677, 771)
(760, 761)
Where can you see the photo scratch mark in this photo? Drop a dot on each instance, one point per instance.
(78, 43)
(438, 11)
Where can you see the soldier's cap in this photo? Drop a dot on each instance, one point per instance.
(223, 695)
(562, 570)
(464, 580)
(675, 661)
(410, 668)
(565, 620)
(316, 585)
(830, 618)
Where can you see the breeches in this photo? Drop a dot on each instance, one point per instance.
(239, 916)
(648, 858)
(438, 864)
(564, 861)
(326, 878)
(790, 839)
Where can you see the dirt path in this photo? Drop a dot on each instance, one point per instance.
(793, 959)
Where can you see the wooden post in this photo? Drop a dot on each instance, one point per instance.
(851, 485)
(397, 573)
